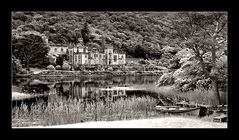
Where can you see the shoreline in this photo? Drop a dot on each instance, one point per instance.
(62, 74)
(18, 96)
(164, 122)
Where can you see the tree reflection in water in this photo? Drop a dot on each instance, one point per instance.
(91, 89)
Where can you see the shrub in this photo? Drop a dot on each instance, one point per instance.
(168, 49)
(142, 61)
(50, 67)
(24, 71)
(58, 67)
(110, 68)
(166, 79)
(66, 66)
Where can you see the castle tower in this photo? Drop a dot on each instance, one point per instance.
(109, 55)
(71, 54)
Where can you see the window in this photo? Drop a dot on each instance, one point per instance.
(95, 55)
(110, 93)
(70, 58)
(85, 56)
(55, 49)
(115, 92)
(75, 58)
(120, 92)
(61, 49)
(115, 58)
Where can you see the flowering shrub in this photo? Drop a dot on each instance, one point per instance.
(50, 67)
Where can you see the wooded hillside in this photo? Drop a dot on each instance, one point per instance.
(139, 34)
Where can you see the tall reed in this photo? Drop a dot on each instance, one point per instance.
(200, 96)
(68, 111)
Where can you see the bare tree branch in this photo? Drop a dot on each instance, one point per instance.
(221, 27)
(205, 30)
(200, 58)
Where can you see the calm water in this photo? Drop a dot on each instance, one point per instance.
(87, 88)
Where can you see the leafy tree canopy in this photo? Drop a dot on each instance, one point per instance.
(30, 48)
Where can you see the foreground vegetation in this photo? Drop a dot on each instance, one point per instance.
(62, 110)
(196, 96)
(68, 111)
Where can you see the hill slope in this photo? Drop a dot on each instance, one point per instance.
(139, 34)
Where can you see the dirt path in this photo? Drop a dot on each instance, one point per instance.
(167, 122)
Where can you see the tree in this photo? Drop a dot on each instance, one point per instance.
(30, 48)
(139, 51)
(16, 67)
(19, 15)
(66, 56)
(121, 27)
(206, 35)
(59, 60)
(85, 32)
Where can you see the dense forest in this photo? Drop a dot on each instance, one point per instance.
(140, 34)
(192, 45)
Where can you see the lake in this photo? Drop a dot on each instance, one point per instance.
(88, 88)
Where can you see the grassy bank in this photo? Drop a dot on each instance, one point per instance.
(199, 96)
(68, 111)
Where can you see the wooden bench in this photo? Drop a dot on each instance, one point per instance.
(221, 118)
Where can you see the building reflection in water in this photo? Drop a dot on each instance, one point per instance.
(88, 91)
(85, 88)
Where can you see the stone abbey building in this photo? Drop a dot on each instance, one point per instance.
(83, 55)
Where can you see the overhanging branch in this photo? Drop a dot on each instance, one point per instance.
(200, 58)
(221, 27)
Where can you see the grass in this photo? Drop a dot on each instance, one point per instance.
(199, 96)
(203, 96)
(68, 111)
